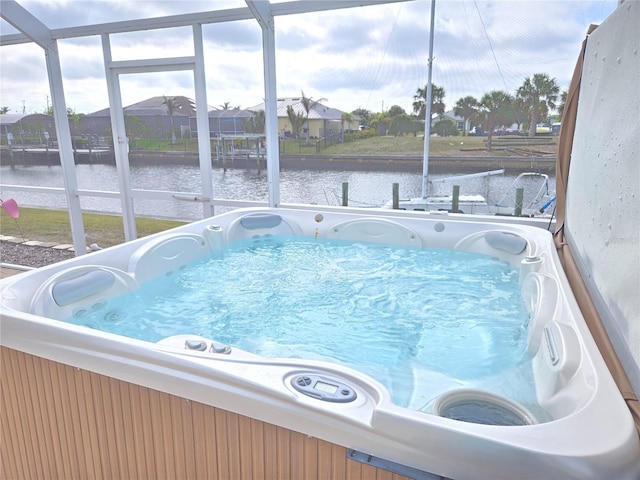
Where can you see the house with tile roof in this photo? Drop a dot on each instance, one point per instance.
(323, 121)
(153, 112)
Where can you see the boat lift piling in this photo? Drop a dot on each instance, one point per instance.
(517, 212)
(395, 195)
(455, 199)
(345, 194)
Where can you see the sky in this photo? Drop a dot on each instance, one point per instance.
(364, 57)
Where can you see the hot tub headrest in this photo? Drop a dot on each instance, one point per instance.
(166, 253)
(90, 283)
(505, 245)
(79, 288)
(260, 220)
(258, 224)
(507, 242)
(377, 231)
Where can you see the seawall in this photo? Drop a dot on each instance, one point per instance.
(384, 162)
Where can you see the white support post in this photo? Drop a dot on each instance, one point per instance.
(120, 142)
(20, 18)
(65, 149)
(262, 11)
(271, 114)
(202, 121)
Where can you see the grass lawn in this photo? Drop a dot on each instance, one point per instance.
(407, 145)
(53, 226)
(439, 146)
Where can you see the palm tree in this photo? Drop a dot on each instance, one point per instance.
(346, 117)
(380, 122)
(563, 102)
(172, 106)
(539, 95)
(308, 104)
(520, 110)
(495, 111)
(437, 101)
(296, 120)
(466, 108)
(227, 106)
(4, 110)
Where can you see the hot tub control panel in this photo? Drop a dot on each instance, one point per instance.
(323, 388)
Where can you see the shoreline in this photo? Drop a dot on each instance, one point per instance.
(321, 162)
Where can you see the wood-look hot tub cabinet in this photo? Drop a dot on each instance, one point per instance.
(65, 422)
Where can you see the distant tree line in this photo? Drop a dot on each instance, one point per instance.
(526, 108)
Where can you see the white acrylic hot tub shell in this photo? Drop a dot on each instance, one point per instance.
(591, 436)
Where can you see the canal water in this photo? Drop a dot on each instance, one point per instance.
(366, 188)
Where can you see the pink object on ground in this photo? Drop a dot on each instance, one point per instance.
(11, 207)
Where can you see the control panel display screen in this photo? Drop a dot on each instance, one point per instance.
(322, 388)
(326, 387)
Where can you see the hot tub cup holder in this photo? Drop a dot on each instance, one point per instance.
(478, 406)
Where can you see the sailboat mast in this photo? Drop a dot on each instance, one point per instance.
(427, 116)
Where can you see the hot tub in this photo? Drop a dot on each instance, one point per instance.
(580, 428)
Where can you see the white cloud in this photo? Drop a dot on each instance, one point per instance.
(361, 57)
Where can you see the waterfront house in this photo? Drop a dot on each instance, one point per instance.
(323, 121)
(153, 113)
(26, 128)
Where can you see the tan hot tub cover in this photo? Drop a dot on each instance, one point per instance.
(594, 322)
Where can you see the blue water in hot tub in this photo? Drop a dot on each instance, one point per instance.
(420, 321)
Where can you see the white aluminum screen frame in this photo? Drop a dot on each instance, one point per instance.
(32, 30)
(113, 70)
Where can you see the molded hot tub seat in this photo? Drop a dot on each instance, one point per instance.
(590, 428)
